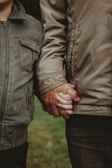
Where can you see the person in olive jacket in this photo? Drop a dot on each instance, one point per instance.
(81, 33)
(20, 44)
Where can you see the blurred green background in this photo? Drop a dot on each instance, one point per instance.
(47, 141)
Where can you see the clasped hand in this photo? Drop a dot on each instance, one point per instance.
(58, 101)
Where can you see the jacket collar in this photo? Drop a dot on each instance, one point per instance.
(18, 11)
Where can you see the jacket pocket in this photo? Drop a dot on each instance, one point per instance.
(29, 52)
(29, 98)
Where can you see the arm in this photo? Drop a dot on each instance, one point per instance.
(50, 68)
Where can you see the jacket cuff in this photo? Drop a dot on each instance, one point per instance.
(51, 83)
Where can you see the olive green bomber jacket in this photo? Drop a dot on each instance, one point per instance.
(20, 43)
(81, 30)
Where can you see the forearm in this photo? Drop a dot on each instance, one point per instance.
(50, 67)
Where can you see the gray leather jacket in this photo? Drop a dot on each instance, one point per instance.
(82, 31)
(20, 43)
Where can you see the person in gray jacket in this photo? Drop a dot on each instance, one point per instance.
(81, 33)
(20, 44)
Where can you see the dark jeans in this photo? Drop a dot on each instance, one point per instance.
(89, 141)
(14, 158)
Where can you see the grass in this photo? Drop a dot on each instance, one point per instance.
(47, 142)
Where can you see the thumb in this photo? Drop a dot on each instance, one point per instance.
(73, 93)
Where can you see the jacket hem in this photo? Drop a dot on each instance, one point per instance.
(93, 110)
(18, 138)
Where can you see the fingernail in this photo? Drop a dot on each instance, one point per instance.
(77, 99)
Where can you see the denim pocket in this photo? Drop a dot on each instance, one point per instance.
(29, 99)
(29, 53)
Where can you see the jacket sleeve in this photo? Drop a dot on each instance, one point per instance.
(50, 66)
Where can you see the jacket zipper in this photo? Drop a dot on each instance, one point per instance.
(6, 78)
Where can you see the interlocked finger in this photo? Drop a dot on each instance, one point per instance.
(65, 106)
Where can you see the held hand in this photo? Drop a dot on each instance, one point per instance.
(50, 103)
(64, 101)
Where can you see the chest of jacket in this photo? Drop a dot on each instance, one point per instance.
(89, 50)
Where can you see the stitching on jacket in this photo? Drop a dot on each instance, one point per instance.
(72, 52)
